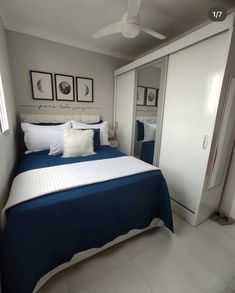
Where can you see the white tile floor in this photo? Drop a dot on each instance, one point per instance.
(200, 259)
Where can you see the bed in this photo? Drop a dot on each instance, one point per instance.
(145, 138)
(47, 234)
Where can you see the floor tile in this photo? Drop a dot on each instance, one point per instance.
(193, 260)
(232, 284)
(228, 290)
(229, 230)
(145, 240)
(124, 279)
(170, 267)
(181, 227)
(214, 248)
(57, 284)
(88, 271)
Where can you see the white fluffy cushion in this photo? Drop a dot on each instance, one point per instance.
(78, 143)
(149, 131)
(37, 137)
(104, 130)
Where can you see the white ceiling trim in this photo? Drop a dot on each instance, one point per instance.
(58, 39)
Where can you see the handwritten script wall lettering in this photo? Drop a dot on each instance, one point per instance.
(61, 107)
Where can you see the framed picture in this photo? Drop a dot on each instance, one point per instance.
(84, 89)
(64, 88)
(152, 97)
(141, 94)
(41, 84)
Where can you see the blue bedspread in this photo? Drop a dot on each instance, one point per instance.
(45, 232)
(147, 151)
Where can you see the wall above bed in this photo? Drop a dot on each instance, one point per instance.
(31, 53)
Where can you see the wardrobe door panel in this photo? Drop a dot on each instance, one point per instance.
(125, 110)
(194, 81)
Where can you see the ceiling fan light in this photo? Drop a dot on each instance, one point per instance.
(130, 30)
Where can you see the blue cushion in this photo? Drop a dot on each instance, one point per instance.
(140, 130)
(96, 139)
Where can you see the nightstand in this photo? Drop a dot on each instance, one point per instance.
(114, 143)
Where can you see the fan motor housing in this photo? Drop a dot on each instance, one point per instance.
(130, 27)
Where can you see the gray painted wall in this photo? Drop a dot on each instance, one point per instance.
(7, 140)
(27, 52)
(148, 77)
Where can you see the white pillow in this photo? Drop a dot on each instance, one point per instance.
(104, 130)
(37, 137)
(149, 131)
(56, 142)
(78, 143)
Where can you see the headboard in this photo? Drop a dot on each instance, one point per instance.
(58, 117)
(150, 119)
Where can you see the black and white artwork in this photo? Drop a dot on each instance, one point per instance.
(42, 87)
(152, 97)
(64, 85)
(141, 93)
(84, 89)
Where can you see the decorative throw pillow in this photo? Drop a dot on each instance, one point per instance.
(149, 131)
(78, 143)
(37, 137)
(104, 129)
(57, 141)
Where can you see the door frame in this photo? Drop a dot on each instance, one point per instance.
(161, 63)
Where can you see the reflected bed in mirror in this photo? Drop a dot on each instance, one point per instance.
(145, 139)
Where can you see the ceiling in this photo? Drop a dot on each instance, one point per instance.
(74, 21)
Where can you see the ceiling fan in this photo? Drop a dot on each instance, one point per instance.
(129, 25)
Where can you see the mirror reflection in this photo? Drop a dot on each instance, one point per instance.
(147, 104)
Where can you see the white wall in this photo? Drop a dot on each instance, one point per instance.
(7, 140)
(27, 52)
(148, 77)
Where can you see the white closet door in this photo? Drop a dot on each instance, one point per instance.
(125, 110)
(194, 81)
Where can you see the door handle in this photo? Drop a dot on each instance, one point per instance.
(205, 142)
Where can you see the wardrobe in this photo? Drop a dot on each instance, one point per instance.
(198, 121)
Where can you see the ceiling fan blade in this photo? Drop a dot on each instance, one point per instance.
(153, 33)
(113, 28)
(133, 8)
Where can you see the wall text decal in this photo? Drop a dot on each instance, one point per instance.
(61, 107)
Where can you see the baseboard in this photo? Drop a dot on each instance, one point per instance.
(187, 215)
